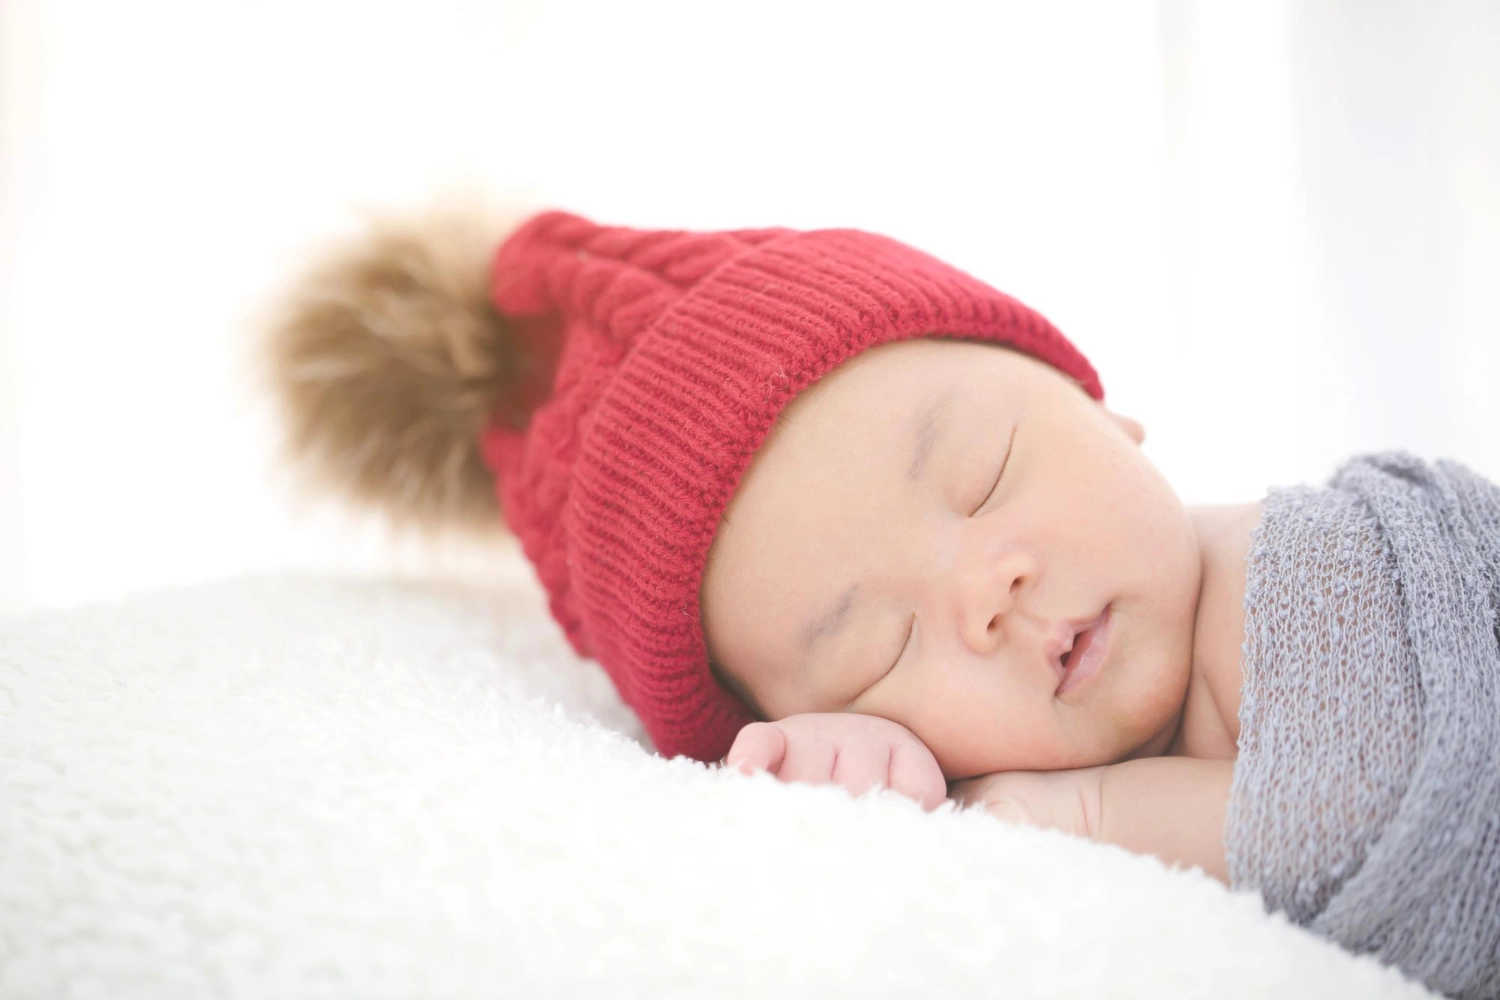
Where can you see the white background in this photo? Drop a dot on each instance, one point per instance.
(1274, 227)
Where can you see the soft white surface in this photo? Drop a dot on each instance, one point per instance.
(302, 787)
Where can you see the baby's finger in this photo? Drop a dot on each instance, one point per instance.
(1007, 808)
(760, 746)
(989, 791)
(808, 759)
(915, 773)
(861, 768)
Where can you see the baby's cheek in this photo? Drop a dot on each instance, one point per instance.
(965, 748)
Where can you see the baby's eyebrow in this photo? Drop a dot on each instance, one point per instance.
(926, 431)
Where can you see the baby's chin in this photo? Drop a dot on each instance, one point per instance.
(1138, 698)
(1120, 721)
(1064, 755)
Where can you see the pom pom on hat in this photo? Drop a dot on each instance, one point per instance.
(388, 360)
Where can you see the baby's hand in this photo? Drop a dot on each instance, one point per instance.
(856, 751)
(1058, 800)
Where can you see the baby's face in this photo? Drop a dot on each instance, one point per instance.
(876, 560)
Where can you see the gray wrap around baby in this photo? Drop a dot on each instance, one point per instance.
(1366, 796)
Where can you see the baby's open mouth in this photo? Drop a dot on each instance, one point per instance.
(1084, 657)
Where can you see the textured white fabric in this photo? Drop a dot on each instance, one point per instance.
(294, 787)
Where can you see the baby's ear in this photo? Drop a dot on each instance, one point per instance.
(1129, 426)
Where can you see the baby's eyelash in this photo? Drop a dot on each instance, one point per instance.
(1009, 446)
(911, 629)
(902, 651)
(899, 653)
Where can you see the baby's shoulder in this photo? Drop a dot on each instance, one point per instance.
(1223, 528)
(1224, 536)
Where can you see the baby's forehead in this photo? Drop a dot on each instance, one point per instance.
(922, 385)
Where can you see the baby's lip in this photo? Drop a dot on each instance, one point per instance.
(1060, 639)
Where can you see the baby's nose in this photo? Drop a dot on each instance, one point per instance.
(987, 588)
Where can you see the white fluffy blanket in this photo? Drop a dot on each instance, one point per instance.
(294, 787)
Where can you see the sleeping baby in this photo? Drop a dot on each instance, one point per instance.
(825, 506)
(947, 562)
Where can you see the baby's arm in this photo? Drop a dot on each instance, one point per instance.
(1172, 807)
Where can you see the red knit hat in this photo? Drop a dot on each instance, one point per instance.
(661, 360)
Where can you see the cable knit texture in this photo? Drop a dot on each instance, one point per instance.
(674, 354)
(1366, 796)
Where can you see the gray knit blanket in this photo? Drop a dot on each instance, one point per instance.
(1366, 796)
